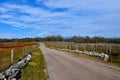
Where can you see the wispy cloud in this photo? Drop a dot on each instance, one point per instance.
(85, 4)
(63, 17)
(7, 35)
(27, 16)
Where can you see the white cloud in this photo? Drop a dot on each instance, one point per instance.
(8, 35)
(85, 4)
(36, 18)
(83, 15)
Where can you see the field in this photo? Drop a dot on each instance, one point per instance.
(19, 50)
(113, 50)
(36, 68)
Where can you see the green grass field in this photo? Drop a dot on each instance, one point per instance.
(36, 69)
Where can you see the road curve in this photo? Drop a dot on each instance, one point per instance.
(62, 66)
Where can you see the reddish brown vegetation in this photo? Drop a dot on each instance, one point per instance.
(20, 44)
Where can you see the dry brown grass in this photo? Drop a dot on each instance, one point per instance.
(19, 52)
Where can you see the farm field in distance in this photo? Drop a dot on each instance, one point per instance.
(113, 50)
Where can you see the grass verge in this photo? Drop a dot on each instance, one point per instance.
(36, 69)
(85, 56)
(115, 61)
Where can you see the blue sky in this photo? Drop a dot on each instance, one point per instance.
(40, 18)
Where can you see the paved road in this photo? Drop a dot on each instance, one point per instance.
(62, 66)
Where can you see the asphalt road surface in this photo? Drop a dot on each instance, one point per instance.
(62, 66)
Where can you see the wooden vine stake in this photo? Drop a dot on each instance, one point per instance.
(12, 55)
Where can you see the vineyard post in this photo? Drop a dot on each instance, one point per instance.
(109, 52)
(91, 48)
(84, 47)
(70, 46)
(119, 50)
(106, 48)
(66, 46)
(76, 46)
(94, 47)
(12, 55)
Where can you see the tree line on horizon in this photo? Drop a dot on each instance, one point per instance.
(76, 39)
